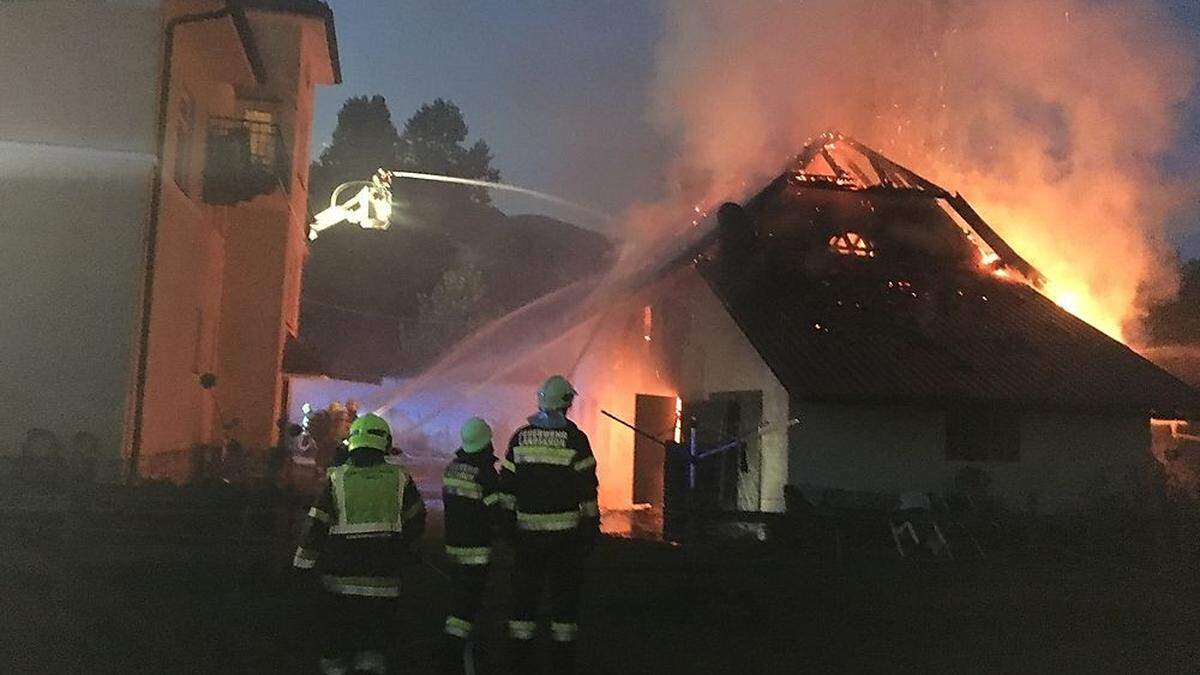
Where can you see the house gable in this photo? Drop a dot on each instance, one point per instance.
(934, 314)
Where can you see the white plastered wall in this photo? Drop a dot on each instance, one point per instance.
(717, 357)
(1067, 461)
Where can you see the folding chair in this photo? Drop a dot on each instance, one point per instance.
(913, 519)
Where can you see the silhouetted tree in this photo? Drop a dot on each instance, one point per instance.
(433, 142)
(450, 311)
(450, 262)
(364, 140)
(1178, 321)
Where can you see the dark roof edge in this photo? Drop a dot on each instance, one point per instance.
(249, 44)
(311, 8)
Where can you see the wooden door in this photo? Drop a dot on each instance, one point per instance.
(656, 416)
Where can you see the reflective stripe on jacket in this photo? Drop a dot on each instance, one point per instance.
(548, 480)
(357, 533)
(469, 496)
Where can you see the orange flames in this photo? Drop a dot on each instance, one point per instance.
(1070, 290)
(1105, 298)
(1048, 117)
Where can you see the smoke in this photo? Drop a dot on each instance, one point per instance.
(1049, 117)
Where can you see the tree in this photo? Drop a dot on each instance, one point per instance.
(1178, 321)
(433, 142)
(449, 312)
(364, 141)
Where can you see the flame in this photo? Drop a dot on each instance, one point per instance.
(1075, 299)
(1049, 117)
(1080, 276)
(1069, 291)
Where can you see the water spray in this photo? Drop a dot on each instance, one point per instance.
(439, 178)
(371, 207)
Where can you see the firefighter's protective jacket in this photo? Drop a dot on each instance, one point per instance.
(359, 531)
(548, 478)
(469, 495)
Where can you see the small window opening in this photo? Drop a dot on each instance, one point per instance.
(852, 243)
(261, 125)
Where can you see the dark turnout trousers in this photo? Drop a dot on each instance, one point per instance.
(467, 586)
(548, 563)
(355, 632)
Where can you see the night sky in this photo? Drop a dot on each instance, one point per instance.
(560, 90)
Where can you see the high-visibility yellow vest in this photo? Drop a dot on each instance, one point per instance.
(368, 498)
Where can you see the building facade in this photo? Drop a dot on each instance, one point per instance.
(155, 185)
(881, 338)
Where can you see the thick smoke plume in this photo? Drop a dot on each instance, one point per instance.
(1048, 116)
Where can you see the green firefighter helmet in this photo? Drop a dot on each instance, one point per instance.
(476, 435)
(370, 431)
(556, 393)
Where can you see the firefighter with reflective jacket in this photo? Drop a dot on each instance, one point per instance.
(548, 487)
(356, 538)
(469, 496)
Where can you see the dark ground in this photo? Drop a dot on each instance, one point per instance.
(146, 604)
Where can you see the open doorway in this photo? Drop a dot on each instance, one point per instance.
(656, 415)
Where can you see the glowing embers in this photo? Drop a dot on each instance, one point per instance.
(853, 244)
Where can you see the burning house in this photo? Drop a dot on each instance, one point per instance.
(852, 326)
(908, 340)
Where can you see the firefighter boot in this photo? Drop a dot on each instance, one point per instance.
(522, 656)
(371, 661)
(334, 666)
(562, 658)
(450, 659)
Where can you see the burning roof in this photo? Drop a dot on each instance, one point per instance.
(865, 281)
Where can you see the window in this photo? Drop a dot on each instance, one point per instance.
(262, 135)
(185, 132)
(852, 243)
(982, 434)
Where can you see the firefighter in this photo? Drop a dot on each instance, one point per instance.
(356, 538)
(548, 488)
(469, 495)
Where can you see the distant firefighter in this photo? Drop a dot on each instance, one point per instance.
(356, 538)
(469, 495)
(548, 487)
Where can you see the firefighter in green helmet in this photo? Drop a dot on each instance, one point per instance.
(356, 538)
(548, 488)
(469, 497)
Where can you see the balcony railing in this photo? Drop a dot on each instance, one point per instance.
(244, 159)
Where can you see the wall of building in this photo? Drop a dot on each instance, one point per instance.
(251, 335)
(77, 144)
(1067, 461)
(870, 449)
(266, 241)
(717, 357)
(227, 291)
(76, 160)
(185, 313)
